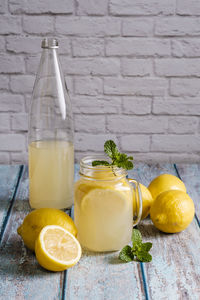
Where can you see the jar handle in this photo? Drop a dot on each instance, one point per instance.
(138, 201)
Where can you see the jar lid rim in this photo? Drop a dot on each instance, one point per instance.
(86, 164)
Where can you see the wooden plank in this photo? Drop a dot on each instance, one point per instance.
(102, 276)
(190, 174)
(8, 180)
(20, 275)
(174, 272)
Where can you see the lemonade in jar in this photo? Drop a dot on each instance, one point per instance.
(106, 206)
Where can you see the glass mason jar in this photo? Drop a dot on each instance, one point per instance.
(51, 149)
(106, 206)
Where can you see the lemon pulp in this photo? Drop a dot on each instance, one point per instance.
(57, 249)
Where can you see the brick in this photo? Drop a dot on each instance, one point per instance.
(11, 64)
(64, 46)
(135, 142)
(185, 7)
(136, 106)
(87, 26)
(96, 105)
(135, 86)
(176, 143)
(4, 122)
(32, 63)
(4, 158)
(2, 43)
(88, 141)
(11, 102)
(92, 7)
(87, 47)
(137, 47)
(38, 7)
(177, 67)
(186, 47)
(19, 122)
(19, 158)
(88, 86)
(91, 66)
(22, 83)
(137, 124)
(12, 142)
(185, 86)
(4, 81)
(38, 24)
(10, 24)
(92, 124)
(184, 157)
(137, 67)
(152, 157)
(22, 44)
(3, 4)
(142, 7)
(183, 125)
(177, 26)
(27, 102)
(176, 106)
(137, 27)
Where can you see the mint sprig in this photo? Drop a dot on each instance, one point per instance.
(139, 251)
(121, 160)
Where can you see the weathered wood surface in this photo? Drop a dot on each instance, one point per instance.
(20, 275)
(190, 174)
(173, 274)
(8, 181)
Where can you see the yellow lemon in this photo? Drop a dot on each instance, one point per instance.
(57, 249)
(165, 182)
(147, 201)
(39, 218)
(172, 211)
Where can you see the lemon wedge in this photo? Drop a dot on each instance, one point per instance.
(57, 249)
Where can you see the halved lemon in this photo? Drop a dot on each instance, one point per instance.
(57, 249)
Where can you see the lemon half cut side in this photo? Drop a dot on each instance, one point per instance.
(57, 249)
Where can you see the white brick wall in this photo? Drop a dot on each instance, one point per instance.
(132, 68)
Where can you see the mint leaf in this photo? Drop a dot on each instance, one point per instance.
(146, 246)
(126, 254)
(100, 163)
(144, 256)
(110, 148)
(139, 250)
(121, 161)
(136, 237)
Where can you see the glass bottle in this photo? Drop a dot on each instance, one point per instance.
(106, 206)
(51, 149)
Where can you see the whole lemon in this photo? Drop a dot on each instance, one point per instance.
(172, 211)
(165, 182)
(147, 200)
(39, 218)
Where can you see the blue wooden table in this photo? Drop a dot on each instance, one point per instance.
(174, 272)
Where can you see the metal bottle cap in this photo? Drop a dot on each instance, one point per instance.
(49, 43)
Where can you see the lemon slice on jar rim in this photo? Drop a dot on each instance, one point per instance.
(57, 249)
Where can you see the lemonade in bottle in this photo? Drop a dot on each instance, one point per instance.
(103, 206)
(51, 150)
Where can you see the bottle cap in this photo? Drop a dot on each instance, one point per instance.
(49, 43)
